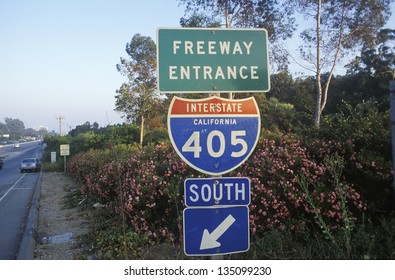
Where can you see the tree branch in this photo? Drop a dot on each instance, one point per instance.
(336, 58)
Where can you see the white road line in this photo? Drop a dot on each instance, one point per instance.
(12, 187)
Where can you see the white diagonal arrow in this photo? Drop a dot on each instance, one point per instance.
(209, 240)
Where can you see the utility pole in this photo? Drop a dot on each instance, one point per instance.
(60, 120)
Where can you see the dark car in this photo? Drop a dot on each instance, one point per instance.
(1, 162)
(30, 164)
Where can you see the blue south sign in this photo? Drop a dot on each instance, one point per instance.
(223, 191)
(214, 135)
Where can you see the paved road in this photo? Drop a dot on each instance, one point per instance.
(16, 191)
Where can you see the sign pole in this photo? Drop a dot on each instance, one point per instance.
(65, 164)
(217, 257)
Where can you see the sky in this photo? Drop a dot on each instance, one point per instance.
(58, 57)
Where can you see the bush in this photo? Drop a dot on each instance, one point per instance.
(155, 137)
(291, 189)
(138, 187)
(364, 137)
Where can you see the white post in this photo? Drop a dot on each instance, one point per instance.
(53, 157)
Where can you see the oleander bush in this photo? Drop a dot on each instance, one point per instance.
(279, 173)
(365, 136)
(297, 190)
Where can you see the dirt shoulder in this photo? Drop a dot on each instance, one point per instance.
(60, 227)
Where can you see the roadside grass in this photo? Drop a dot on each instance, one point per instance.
(109, 239)
(52, 167)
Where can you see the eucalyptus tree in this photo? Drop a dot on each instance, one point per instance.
(370, 71)
(378, 60)
(200, 20)
(138, 98)
(272, 15)
(337, 26)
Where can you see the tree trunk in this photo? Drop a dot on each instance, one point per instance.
(142, 130)
(318, 109)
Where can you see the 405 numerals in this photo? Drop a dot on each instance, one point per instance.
(193, 144)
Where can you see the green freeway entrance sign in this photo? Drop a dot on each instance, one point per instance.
(212, 60)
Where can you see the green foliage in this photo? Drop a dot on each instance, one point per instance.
(200, 20)
(338, 27)
(112, 244)
(156, 136)
(379, 60)
(53, 145)
(138, 99)
(368, 241)
(15, 128)
(86, 127)
(126, 135)
(374, 239)
(278, 116)
(110, 237)
(364, 133)
(281, 86)
(58, 166)
(341, 238)
(272, 15)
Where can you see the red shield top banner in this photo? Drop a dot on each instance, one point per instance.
(214, 135)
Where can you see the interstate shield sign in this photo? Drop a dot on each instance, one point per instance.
(214, 135)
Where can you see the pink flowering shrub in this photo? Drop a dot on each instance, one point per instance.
(145, 186)
(364, 131)
(151, 198)
(278, 198)
(90, 168)
(373, 173)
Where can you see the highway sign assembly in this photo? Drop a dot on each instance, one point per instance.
(212, 60)
(216, 231)
(222, 191)
(214, 135)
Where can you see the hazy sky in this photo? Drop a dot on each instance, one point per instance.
(58, 57)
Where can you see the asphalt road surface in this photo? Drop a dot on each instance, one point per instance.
(16, 191)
